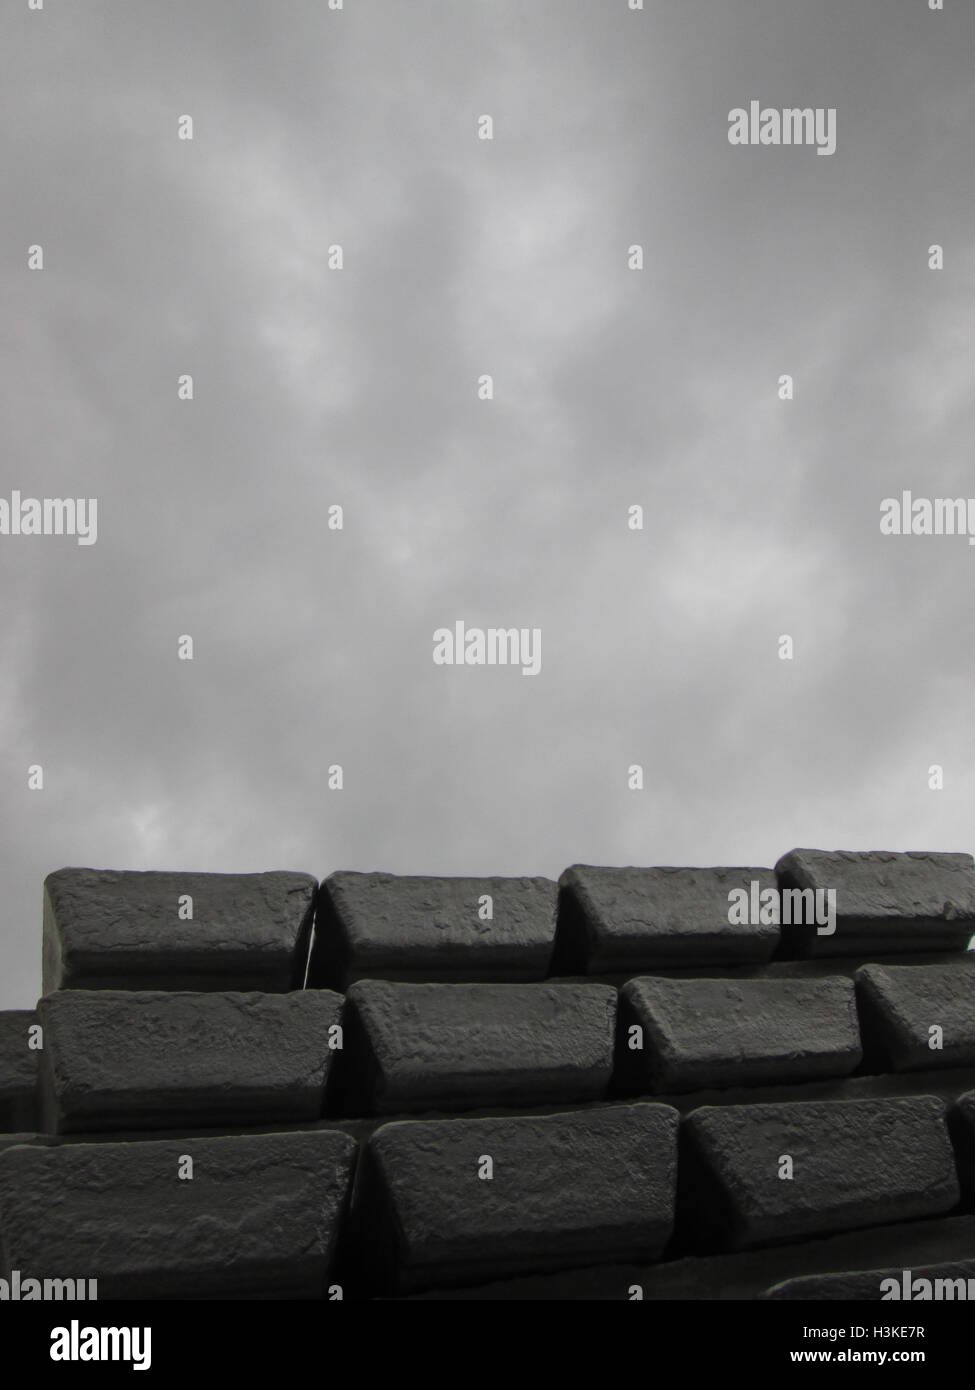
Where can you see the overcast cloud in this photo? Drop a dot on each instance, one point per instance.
(613, 387)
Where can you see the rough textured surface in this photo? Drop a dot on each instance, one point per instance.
(887, 902)
(854, 1163)
(121, 1059)
(874, 1284)
(567, 1189)
(415, 1047)
(698, 1033)
(809, 968)
(961, 1120)
(9, 1141)
(638, 919)
(428, 929)
(899, 1006)
(746, 1274)
(18, 1071)
(117, 930)
(815, 967)
(260, 1215)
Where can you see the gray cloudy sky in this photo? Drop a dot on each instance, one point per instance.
(612, 387)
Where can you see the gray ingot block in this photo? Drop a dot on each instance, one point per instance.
(716, 1033)
(119, 930)
(854, 1163)
(120, 1059)
(457, 1047)
(885, 903)
(568, 1189)
(641, 919)
(900, 1006)
(397, 927)
(18, 1071)
(954, 1279)
(8, 1141)
(260, 1215)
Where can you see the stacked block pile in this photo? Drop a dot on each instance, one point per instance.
(652, 1083)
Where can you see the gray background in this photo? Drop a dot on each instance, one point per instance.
(613, 387)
